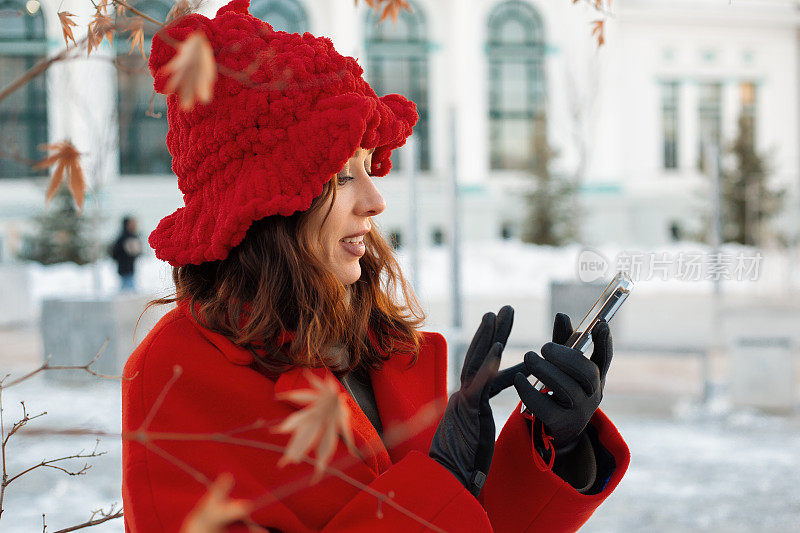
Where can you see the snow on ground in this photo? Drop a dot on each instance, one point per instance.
(66, 500)
(728, 472)
(693, 469)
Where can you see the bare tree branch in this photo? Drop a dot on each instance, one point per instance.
(87, 367)
(40, 66)
(21, 422)
(105, 516)
(49, 464)
(136, 11)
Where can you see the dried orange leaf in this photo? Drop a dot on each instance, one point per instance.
(66, 26)
(77, 185)
(193, 71)
(319, 425)
(55, 183)
(599, 28)
(67, 160)
(392, 9)
(92, 41)
(181, 8)
(214, 511)
(136, 38)
(100, 27)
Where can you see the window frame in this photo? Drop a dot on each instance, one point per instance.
(530, 53)
(132, 161)
(289, 8)
(707, 110)
(414, 49)
(30, 46)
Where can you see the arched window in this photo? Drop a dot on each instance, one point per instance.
(23, 114)
(397, 62)
(142, 138)
(516, 84)
(282, 15)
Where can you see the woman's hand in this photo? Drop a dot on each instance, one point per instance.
(464, 440)
(575, 381)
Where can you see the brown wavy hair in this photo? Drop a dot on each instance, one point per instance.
(275, 271)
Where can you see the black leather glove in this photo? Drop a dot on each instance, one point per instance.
(575, 381)
(464, 440)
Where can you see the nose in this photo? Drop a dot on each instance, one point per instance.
(371, 202)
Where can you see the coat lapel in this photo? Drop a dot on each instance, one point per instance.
(407, 402)
(365, 437)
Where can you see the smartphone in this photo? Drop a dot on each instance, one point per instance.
(604, 307)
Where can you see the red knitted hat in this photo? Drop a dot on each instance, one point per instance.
(265, 146)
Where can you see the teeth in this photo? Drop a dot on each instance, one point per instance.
(354, 240)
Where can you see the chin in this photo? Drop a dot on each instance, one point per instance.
(350, 275)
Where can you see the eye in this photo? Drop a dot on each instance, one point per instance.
(341, 180)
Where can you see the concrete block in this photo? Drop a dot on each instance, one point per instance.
(762, 373)
(15, 294)
(762, 342)
(74, 329)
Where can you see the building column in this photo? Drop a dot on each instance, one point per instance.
(82, 98)
(731, 108)
(468, 37)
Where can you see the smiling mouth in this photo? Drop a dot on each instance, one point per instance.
(356, 248)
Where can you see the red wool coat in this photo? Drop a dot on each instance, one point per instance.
(217, 392)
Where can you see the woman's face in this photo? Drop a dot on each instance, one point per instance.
(357, 199)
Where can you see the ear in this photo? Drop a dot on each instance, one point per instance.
(235, 6)
(164, 48)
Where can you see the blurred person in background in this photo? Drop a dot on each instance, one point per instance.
(286, 291)
(126, 248)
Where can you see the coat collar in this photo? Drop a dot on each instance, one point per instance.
(233, 353)
(399, 395)
(403, 395)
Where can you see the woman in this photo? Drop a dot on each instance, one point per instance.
(282, 282)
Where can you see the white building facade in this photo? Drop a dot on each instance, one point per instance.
(627, 119)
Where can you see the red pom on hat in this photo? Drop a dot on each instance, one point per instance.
(266, 143)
